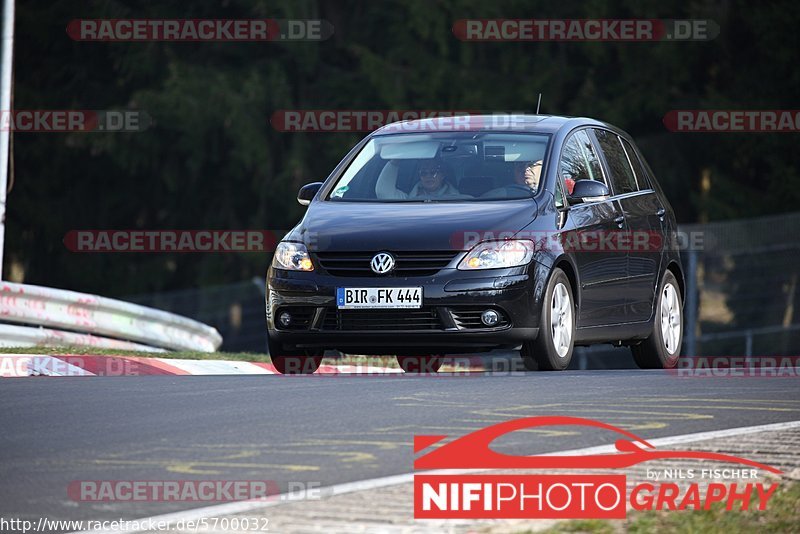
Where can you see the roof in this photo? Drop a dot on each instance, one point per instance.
(496, 122)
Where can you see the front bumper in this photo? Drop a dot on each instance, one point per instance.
(448, 322)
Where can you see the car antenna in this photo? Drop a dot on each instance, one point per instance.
(539, 103)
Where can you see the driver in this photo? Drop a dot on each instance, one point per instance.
(528, 173)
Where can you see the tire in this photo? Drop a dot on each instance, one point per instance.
(552, 349)
(293, 362)
(662, 349)
(420, 364)
(296, 365)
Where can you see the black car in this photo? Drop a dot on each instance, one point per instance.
(444, 236)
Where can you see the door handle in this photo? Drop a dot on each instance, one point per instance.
(620, 219)
(661, 212)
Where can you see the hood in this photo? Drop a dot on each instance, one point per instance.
(370, 226)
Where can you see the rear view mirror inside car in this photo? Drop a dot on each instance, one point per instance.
(413, 150)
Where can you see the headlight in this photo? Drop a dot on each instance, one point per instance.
(497, 254)
(292, 256)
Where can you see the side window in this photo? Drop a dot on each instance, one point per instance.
(638, 170)
(579, 160)
(623, 180)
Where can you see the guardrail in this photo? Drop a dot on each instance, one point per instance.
(748, 334)
(78, 312)
(37, 336)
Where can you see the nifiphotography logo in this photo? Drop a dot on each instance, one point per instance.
(454, 495)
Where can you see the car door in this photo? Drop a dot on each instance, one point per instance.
(656, 215)
(601, 271)
(641, 243)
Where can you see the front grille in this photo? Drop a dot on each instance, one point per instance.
(424, 263)
(471, 318)
(419, 319)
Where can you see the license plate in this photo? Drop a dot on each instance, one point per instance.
(378, 297)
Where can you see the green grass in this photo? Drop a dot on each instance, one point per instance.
(782, 515)
(593, 526)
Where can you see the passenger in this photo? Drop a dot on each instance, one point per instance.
(431, 182)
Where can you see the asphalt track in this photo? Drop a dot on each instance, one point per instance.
(324, 430)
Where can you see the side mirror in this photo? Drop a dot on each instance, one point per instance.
(587, 190)
(307, 192)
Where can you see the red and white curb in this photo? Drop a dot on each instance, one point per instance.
(24, 365)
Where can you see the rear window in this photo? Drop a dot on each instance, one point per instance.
(638, 169)
(623, 179)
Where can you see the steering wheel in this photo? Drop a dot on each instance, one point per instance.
(504, 191)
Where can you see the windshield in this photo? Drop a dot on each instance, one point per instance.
(444, 167)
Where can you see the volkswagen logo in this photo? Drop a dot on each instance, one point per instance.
(382, 263)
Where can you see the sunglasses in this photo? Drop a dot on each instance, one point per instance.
(429, 172)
